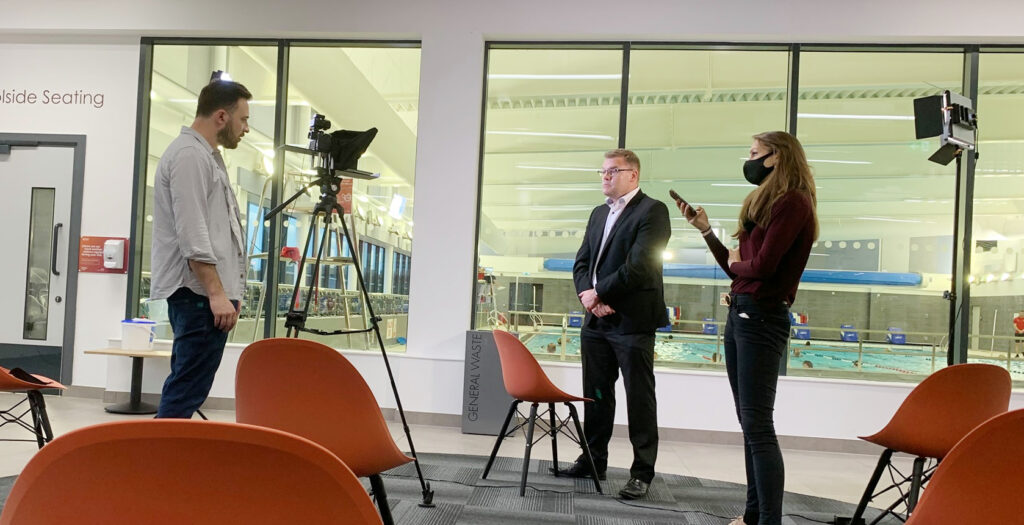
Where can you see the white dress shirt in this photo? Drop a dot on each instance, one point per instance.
(616, 205)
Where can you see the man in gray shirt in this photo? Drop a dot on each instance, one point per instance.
(198, 262)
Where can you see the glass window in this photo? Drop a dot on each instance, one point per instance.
(691, 117)
(883, 207)
(179, 73)
(40, 249)
(400, 274)
(550, 116)
(997, 267)
(870, 304)
(356, 87)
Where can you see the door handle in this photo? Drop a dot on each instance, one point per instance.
(53, 249)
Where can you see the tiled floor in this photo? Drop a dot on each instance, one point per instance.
(824, 474)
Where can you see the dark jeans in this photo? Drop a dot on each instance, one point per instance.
(195, 355)
(604, 354)
(755, 342)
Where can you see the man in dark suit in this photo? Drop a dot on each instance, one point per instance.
(618, 276)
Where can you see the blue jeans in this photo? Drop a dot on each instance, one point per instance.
(755, 343)
(195, 355)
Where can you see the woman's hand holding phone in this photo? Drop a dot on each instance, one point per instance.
(695, 216)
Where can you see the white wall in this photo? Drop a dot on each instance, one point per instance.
(71, 45)
(110, 68)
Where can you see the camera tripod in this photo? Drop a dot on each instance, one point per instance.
(295, 320)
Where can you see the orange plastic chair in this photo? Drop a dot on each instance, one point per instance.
(936, 415)
(526, 381)
(36, 406)
(980, 479)
(311, 390)
(168, 472)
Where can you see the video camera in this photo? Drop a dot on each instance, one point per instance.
(338, 151)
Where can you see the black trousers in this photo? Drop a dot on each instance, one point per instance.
(604, 353)
(755, 343)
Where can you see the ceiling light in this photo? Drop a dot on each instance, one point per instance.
(397, 206)
(886, 219)
(529, 76)
(826, 161)
(568, 207)
(971, 279)
(554, 168)
(854, 117)
(554, 188)
(1005, 277)
(989, 278)
(558, 135)
(667, 255)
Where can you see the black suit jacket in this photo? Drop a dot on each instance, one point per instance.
(629, 273)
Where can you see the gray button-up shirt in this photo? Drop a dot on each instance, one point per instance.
(195, 216)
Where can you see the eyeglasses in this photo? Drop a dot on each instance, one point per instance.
(613, 171)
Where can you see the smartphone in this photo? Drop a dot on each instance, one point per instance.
(679, 200)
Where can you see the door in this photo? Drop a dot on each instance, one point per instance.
(36, 237)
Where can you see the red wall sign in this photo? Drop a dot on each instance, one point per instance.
(90, 255)
(345, 195)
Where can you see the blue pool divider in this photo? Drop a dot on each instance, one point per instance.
(712, 271)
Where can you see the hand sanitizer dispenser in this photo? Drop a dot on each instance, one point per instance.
(113, 254)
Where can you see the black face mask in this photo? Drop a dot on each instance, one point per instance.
(755, 171)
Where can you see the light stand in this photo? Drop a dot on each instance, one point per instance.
(951, 117)
(329, 180)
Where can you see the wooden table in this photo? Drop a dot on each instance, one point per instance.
(134, 404)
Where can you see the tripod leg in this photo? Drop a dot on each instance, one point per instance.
(428, 494)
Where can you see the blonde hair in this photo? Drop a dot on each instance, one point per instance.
(791, 173)
(628, 156)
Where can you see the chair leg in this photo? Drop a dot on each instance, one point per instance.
(501, 436)
(529, 448)
(915, 484)
(883, 460)
(554, 437)
(379, 494)
(583, 444)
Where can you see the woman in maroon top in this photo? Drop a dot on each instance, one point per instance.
(777, 225)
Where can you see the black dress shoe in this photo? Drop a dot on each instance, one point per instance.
(578, 470)
(634, 489)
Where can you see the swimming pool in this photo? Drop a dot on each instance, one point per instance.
(699, 351)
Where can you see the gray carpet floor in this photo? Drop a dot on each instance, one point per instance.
(461, 497)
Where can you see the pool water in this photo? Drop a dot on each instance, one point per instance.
(907, 360)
